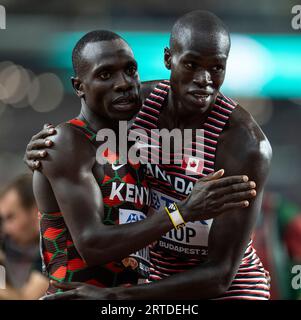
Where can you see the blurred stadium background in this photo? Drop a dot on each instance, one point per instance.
(264, 75)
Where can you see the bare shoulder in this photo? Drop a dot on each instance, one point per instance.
(252, 138)
(147, 87)
(70, 150)
(245, 146)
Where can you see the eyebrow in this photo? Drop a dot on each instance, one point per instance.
(197, 56)
(104, 66)
(110, 66)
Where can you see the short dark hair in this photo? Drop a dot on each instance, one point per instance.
(92, 36)
(198, 21)
(23, 185)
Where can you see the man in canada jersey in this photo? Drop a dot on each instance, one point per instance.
(87, 208)
(209, 258)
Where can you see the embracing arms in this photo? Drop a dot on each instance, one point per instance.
(68, 172)
(228, 239)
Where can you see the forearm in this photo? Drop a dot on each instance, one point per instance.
(115, 242)
(202, 282)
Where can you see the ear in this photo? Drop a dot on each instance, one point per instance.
(77, 86)
(167, 58)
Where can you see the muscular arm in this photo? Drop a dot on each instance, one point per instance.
(229, 234)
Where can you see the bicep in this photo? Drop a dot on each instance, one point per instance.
(68, 170)
(231, 231)
(43, 193)
(230, 234)
(80, 201)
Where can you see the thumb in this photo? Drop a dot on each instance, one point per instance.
(214, 175)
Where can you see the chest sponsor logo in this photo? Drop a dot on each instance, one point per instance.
(117, 167)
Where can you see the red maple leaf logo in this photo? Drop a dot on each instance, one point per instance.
(193, 164)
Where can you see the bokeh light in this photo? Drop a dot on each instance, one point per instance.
(46, 92)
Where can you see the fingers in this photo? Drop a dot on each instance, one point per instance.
(66, 285)
(245, 186)
(36, 155)
(32, 164)
(48, 125)
(213, 176)
(227, 181)
(238, 197)
(36, 164)
(234, 205)
(68, 295)
(44, 133)
(39, 144)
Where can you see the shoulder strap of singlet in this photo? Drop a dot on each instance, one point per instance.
(149, 113)
(213, 127)
(84, 127)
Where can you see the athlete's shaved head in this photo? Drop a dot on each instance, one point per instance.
(90, 37)
(197, 58)
(199, 25)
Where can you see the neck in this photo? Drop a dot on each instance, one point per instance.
(94, 120)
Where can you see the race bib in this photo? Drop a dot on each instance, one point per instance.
(190, 241)
(140, 260)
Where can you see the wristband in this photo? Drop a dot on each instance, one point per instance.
(175, 216)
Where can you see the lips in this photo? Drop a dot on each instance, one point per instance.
(200, 95)
(125, 103)
(124, 100)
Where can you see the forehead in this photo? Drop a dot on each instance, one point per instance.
(203, 44)
(102, 52)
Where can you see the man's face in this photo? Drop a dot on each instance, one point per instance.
(198, 67)
(110, 81)
(18, 223)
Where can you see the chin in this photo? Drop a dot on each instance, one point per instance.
(201, 106)
(124, 116)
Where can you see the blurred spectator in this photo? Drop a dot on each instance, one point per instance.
(20, 241)
(278, 243)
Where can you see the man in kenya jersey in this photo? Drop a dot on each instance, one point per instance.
(87, 207)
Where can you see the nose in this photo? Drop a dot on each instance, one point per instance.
(123, 83)
(202, 78)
